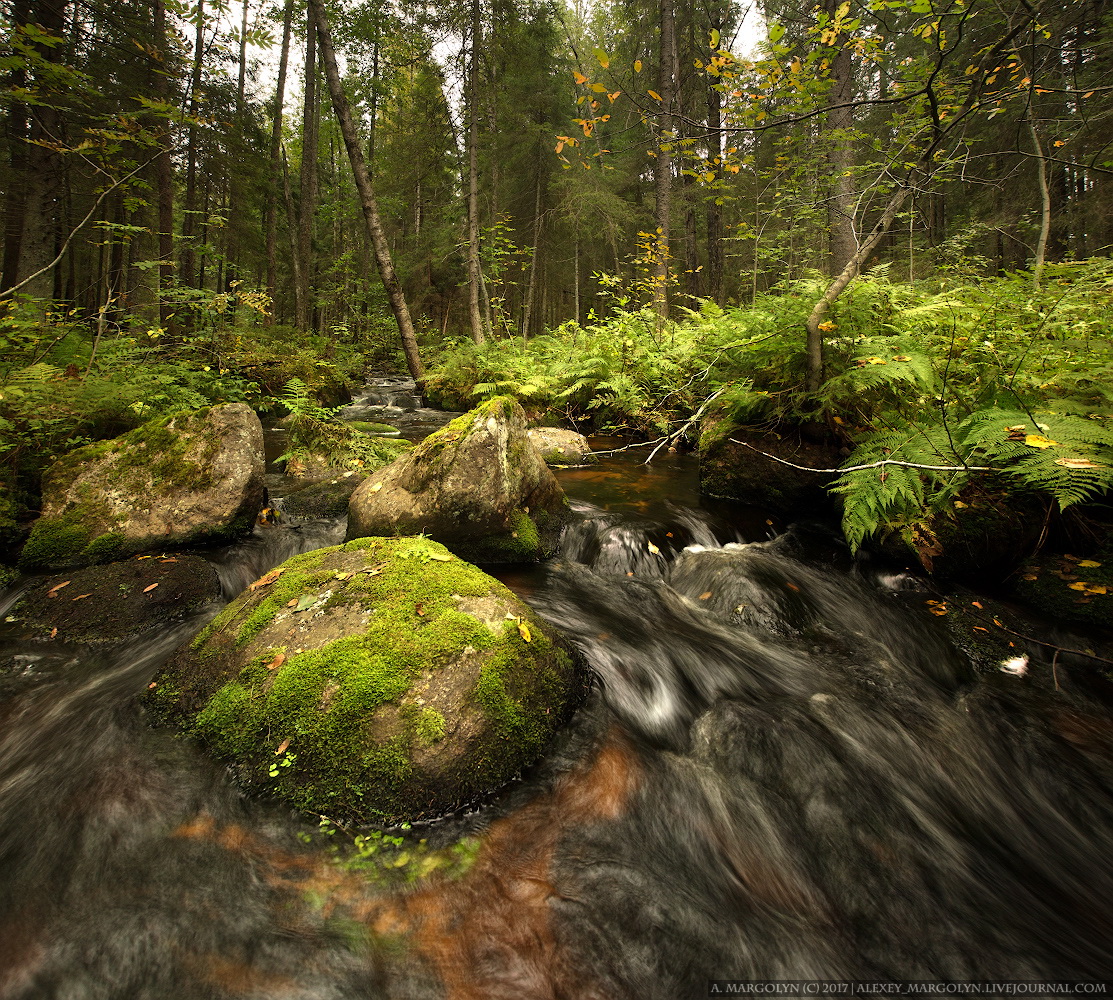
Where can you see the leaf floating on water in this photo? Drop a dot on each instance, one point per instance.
(147, 590)
(705, 595)
(267, 579)
(523, 631)
(653, 548)
(53, 592)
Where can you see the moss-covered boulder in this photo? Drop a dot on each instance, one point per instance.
(325, 499)
(193, 478)
(323, 449)
(108, 603)
(380, 680)
(477, 485)
(560, 447)
(732, 471)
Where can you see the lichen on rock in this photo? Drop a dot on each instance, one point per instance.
(191, 478)
(380, 680)
(477, 485)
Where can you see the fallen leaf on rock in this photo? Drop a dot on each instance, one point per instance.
(1079, 585)
(282, 746)
(290, 603)
(147, 590)
(152, 685)
(53, 633)
(54, 590)
(277, 662)
(376, 488)
(267, 579)
(82, 596)
(419, 609)
(306, 602)
(163, 562)
(977, 604)
(1089, 564)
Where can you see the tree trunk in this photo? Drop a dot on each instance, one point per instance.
(308, 201)
(663, 168)
(292, 228)
(842, 239)
(164, 173)
(15, 198)
(44, 176)
(1045, 205)
(715, 210)
(271, 222)
(189, 224)
(367, 196)
(849, 273)
(475, 319)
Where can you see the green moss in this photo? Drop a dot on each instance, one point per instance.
(370, 427)
(430, 727)
(105, 548)
(55, 541)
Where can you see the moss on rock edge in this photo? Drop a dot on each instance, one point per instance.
(397, 680)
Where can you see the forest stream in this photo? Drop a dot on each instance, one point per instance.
(785, 771)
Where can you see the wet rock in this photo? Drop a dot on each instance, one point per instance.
(380, 680)
(108, 603)
(559, 447)
(192, 478)
(732, 471)
(1068, 588)
(477, 485)
(326, 499)
(322, 449)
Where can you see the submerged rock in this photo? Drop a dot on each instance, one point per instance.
(380, 680)
(732, 471)
(477, 485)
(196, 477)
(325, 499)
(558, 446)
(107, 603)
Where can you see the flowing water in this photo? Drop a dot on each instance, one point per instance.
(785, 771)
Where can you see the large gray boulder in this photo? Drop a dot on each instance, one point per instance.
(560, 447)
(477, 485)
(192, 478)
(380, 680)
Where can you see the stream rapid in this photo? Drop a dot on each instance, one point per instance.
(785, 770)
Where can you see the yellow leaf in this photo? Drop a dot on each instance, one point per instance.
(598, 88)
(653, 548)
(376, 487)
(440, 556)
(579, 77)
(615, 96)
(654, 95)
(637, 65)
(1078, 585)
(1039, 441)
(1089, 564)
(147, 590)
(1097, 588)
(523, 631)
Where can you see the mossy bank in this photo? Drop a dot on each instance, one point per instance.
(380, 680)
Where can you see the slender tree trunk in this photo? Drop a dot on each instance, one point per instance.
(715, 210)
(663, 169)
(292, 229)
(1045, 204)
(164, 172)
(849, 273)
(531, 293)
(189, 219)
(308, 201)
(44, 177)
(842, 239)
(475, 319)
(277, 167)
(367, 196)
(15, 198)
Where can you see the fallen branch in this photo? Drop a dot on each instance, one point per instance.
(688, 423)
(870, 465)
